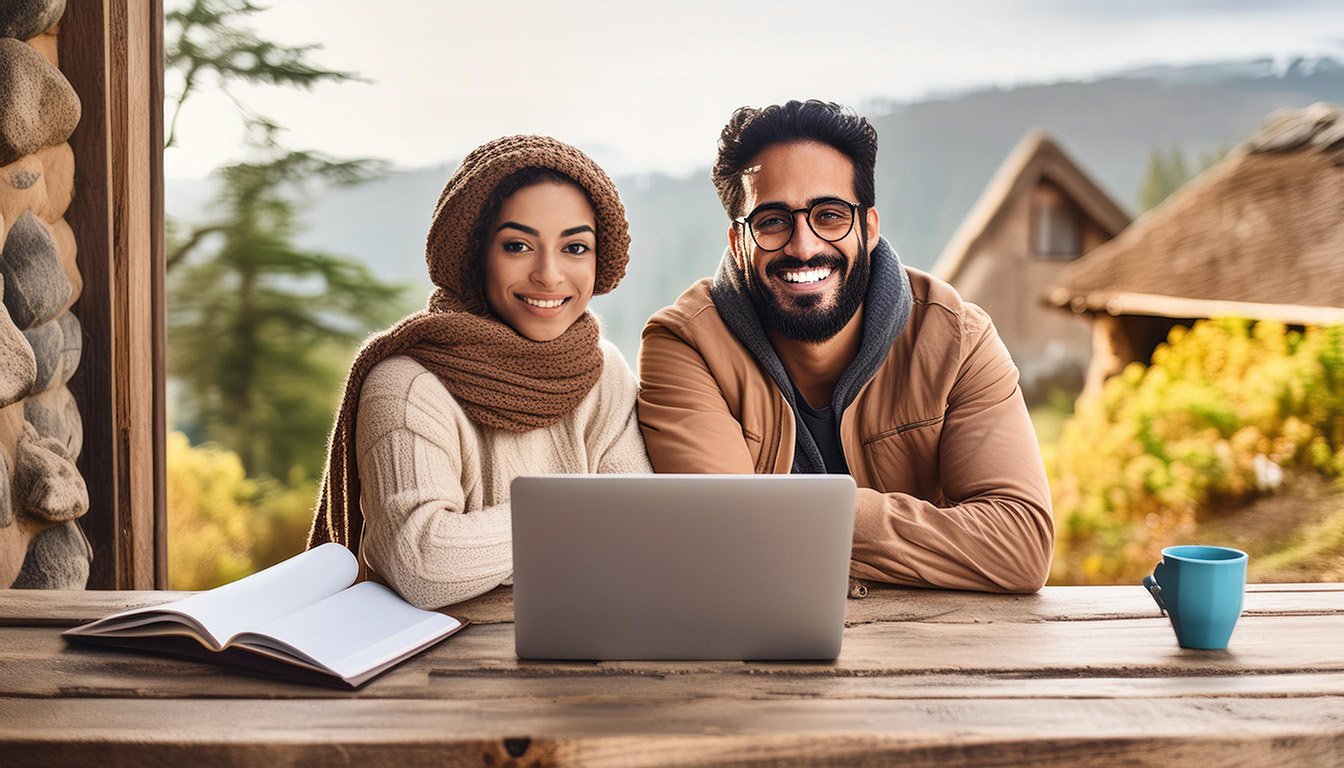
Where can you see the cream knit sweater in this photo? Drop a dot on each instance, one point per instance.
(435, 485)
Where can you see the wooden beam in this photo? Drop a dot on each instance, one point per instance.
(105, 52)
(157, 253)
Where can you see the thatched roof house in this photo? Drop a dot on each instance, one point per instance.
(1259, 235)
(1038, 214)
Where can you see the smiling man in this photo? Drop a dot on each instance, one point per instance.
(814, 350)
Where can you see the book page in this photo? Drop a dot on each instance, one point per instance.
(282, 589)
(357, 629)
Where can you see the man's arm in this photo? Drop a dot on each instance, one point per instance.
(998, 535)
(686, 423)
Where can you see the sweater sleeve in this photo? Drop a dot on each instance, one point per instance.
(997, 534)
(615, 444)
(421, 533)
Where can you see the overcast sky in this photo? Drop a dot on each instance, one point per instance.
(646, 86)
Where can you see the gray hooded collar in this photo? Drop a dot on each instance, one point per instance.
(885, 312)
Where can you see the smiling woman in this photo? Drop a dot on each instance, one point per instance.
(504, 375)
(539, 254)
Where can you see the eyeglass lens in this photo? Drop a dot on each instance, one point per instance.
(772, 228)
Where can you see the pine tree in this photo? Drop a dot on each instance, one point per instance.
(1167, 174)
(261, 331)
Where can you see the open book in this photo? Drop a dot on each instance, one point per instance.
(299, 619)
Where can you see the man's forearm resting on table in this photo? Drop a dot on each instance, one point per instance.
(988, 545)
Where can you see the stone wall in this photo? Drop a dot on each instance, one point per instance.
(41, 492)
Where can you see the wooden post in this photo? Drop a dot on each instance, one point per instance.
(111, 52)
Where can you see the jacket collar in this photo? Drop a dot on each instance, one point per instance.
(886, 311)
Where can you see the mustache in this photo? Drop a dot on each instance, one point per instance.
(821, 260)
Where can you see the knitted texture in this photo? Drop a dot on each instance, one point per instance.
(436, 484)
(501, 379)
(462, 199)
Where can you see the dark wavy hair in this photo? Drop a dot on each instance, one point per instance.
(751, 130)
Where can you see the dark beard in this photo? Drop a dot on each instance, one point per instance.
(803, 322)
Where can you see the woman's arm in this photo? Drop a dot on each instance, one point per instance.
(419, 467)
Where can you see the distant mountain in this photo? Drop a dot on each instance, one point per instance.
(936, 157)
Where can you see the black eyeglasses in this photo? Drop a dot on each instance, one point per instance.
(771, 225)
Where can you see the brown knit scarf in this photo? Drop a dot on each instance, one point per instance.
(502, 380)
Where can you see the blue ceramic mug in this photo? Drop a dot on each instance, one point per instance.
(1202, 590)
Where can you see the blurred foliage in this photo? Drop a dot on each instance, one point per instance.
(1223, 410)
(223, 525)
(209, 44)
(260, 331)
(1169, 172)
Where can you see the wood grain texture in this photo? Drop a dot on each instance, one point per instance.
(83, 54)
(68, 608)
(105, 54)
(1071, 676)
(45, 671)
(132, 286)
(158, 276)
(697, 731)
(1143, 648)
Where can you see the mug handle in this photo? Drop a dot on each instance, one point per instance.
(1155, 589)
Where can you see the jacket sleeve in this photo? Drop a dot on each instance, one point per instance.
(686, 423)
(997, 534)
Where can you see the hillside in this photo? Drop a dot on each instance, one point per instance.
(936, 156)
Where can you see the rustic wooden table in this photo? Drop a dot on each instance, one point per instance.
(1069, 676)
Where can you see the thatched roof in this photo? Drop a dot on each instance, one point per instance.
(1035, 156)
(1260, 235)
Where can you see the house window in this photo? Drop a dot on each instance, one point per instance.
(1057, 225)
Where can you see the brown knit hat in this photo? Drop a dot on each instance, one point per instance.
(449, 248)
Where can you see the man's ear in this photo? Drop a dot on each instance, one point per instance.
(873, 231)
(736, 245)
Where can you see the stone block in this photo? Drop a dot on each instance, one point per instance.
(56, 348)
(58, 558)
(37, 288)
(25, 19)
(6, 507)
(55, 415)
(72, 345)
(46, 341)
(11, 428)
(69, 250)
(47, 485)
(38, 107)
(18, 365)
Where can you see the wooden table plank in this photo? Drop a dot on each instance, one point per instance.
(67, 608)
(703, 731)
(1070, 676)
(36, 661)
(126, 675)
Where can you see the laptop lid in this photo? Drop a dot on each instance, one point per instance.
(681, 566)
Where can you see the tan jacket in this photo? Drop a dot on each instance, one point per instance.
(952, 489)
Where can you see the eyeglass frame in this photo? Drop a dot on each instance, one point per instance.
(793, 217)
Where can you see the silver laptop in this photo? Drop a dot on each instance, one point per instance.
(681, 566)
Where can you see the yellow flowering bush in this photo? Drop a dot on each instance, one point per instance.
(223, 525)
(1223, 410)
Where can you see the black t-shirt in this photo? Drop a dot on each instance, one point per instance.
(825, 430)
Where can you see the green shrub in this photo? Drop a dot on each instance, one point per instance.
(1224, 406)
(223, 525)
